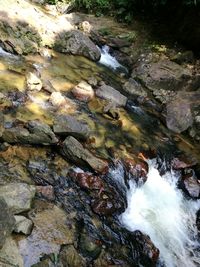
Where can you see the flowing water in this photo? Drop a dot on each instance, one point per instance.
(160, 210)
(157, 208)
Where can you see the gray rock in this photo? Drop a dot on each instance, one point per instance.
(23, 225)
(52, 229)
(109, 93)
(7, 222)
(18, 196)
(134, 88)
(77, 43)
(71, 257)
(69, 125)
(35, 133)
(10, 254)
(179, 116)
(74, 151)
(33, 82)
(164, 74)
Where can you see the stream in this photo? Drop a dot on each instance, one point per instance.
(157, 207)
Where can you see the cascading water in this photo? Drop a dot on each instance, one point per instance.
(160, 210)
(108, 60)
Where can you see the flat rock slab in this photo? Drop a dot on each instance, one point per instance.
(69, 125)
(18, 196)
(109, 93)
(74, 151)
(51, 229)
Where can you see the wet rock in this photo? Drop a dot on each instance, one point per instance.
(190, 184)
(109, 93)
(92, 81)
(88, 181)
(23, 225)
(46, 191)
(164, 74)
(149, 254)
(18, 196)
(52, 228)
(77, 43)
(107, 204)
(47, 86)
(83, 91)
(69, 125)
(179, 116)
(70, 257)
(183, 57)
(35, 133)
(136, 169)
(183, 162)
(88, 247)
(7, 222)
(75, 152)
(10, 254)
(134, 88)
(57, 99)
(33, 82)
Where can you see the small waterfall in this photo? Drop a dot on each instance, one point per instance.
(108, 60)
(160, 210)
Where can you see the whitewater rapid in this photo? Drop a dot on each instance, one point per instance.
(160, 210)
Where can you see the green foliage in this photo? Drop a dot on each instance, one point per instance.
(96, 6)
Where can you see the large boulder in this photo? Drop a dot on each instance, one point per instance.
(112, 95)
(77, 43)
(18, 196)
(74, 151)
(163, 74)
(34, 132)
(7, 222)
(179, 115)
(52, 229)
(69, 125)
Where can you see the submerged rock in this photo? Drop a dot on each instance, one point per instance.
(75, 152)
(69, 125)
(109, 93)
(77, 43)
(83, 91)
(7, 222)
(18, 196)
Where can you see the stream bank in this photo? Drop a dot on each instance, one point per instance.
(68, 125)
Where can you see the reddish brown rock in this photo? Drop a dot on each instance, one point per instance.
(183, 162)
(190, 184)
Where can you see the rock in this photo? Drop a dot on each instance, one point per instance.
(23, 225)
(70, 257)
(134, 88)
(45, 263)
(75, 152)
(88, 180)
(7, 222)
(1, 123)
(92, 81)
(198, 220)
(33, 83)
(85, 26)
(190, 184)
(18, 196)
(64, 8)
(88, 247)
(179, 116)
(57, 99)
(69, 125)
(136, 170)
(182, 162)
(109, 93)
(10, 254)
(149, 254)
(46, 191)
(184, 57)
(52, 229)
(35, 132)
(77, 43)
(83, 91)
(164, 74)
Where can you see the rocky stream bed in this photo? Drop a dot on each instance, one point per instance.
(77, 136)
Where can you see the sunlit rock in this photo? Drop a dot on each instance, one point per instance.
(83, 91)
(33, 82)
(23, 225)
